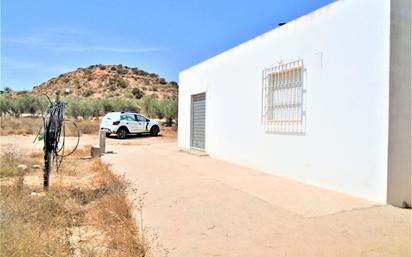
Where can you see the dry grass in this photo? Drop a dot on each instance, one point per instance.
(30, 126)
(71, 219)
(19, 126)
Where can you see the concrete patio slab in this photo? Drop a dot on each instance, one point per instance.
(199, 206)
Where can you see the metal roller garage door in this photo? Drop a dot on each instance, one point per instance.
(198, 121)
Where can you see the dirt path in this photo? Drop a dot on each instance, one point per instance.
(198, 206)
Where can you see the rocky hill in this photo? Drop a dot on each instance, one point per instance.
(100, 81)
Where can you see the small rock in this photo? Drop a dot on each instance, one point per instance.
(22, 167)
(36, 166)
(38, 194)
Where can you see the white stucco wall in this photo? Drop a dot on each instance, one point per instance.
(345, 49)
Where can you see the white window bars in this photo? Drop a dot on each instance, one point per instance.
(283, 98)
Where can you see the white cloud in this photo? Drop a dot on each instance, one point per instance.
(62, 40)
(105, 48)
(11, 64)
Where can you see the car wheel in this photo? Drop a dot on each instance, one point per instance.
(121, 133)
(154, 131)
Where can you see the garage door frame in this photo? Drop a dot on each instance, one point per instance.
(192, 145)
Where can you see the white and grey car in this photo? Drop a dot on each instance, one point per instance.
(124, 123)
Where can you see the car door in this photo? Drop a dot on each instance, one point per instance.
(142, 123)
(132, 123)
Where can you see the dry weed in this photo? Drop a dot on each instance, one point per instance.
(30, 126)
(44, 224)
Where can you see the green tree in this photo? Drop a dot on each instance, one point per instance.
(169, 108)
(5, 105)
(151, 107)
(85, 108)
(72, 108)
(8, 90)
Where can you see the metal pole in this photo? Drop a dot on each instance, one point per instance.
(46, 169)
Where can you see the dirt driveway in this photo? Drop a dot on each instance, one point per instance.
(199, 206)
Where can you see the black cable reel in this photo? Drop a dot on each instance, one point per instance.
(53, 132)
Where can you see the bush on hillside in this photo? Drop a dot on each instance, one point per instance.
(162, 81)
(137, 93)
(88, 92)
(118, 82)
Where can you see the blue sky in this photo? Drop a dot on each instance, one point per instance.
(41, 39)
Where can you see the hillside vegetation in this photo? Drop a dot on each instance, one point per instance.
(102, 81)
(96, 90)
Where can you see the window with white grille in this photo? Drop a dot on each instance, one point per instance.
(283, 98)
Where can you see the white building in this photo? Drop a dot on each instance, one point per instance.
(324, 99)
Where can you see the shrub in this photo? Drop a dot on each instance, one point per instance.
(137, 93)
(154, 88)
(118, 82)
(135, 71)
(142, 73)
(173, 83)
(122, 71)
(88, 92)
(113, 68)
(162, 81)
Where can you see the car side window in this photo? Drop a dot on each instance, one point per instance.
(131, 117)
(140, 118)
